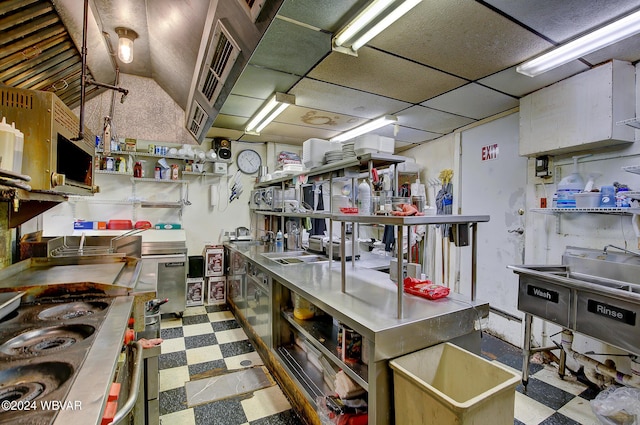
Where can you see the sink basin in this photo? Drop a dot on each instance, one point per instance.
(294, 257)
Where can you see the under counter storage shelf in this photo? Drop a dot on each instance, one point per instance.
(321, 333)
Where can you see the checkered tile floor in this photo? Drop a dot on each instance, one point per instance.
(208, 341)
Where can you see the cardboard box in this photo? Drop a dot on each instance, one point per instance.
(214, 260)
(195, 291)
(89, 225)
(217, 290)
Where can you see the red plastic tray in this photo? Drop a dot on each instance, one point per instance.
(119, 225)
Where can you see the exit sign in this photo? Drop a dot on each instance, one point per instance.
(490, 152)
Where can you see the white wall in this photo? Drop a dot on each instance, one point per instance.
(546, 236)
(151, 116)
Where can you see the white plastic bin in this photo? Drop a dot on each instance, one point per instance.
(446, 384)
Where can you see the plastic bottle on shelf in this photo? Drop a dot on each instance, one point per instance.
(7, 143)
(279, 241)
(364, 198)
(18, 149)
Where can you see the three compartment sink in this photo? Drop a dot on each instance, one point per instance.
(592, 292)
(288, 258)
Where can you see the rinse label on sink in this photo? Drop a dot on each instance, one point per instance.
(612, 312)
(543, 293)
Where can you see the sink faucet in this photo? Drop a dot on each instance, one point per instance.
(604, 251)
(269, 237)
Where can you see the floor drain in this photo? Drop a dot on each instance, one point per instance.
(246, 363)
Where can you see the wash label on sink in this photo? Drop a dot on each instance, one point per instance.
(543, 293)
(612, 312)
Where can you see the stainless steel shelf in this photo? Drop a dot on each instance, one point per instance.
(204, 173)
(316, 214)
(378, 159)
(150, 204)
(145, 179)
(586, 210)
(635, 169)
(322, 331)
(410, 221)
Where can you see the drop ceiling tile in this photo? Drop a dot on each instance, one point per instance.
(625, 50)
(563, 20)
(307, 117)
(407, 134)
(297, 132)
(262, 82)
(384, 74)
(291, 48)
(422, 118)
(229, 121)
(224, 132)
(473, 101)
(328, 15)
(333, 98)
(463, 38)
(241, 106)
(511, 82)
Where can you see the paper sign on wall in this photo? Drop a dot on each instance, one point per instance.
(490, 152)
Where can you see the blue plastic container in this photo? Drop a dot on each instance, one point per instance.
(607, 197)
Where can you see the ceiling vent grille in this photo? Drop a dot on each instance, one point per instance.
(221, 55)
(252, 7)
(197, 120)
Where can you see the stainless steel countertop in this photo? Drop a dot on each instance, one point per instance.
(98, 370)
(369, 304)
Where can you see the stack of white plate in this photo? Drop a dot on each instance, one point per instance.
(348, 150)
(333, 156)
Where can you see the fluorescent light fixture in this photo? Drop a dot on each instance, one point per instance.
(365, 128)
(273, 107)
(374, 19)
(125, 44)
(603, 37)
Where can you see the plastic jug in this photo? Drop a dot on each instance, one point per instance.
(569, 186)
(18, 149)
(364, 199)
(7, 143)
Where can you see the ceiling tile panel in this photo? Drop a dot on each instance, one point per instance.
(325, 14)
(300, 133)
(473, 101)
(385, 74)
(511, 82)
(460, 37)
(407, 134)
(562, 20)
(291, 48)
(342, 100)
(428, 119)
(315, 118)
(262, 82)
(241, 106)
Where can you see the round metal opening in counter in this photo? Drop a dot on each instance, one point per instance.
(46, 340)
(33, 381)
(72, 310)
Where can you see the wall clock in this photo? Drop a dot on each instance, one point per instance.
(248, 161)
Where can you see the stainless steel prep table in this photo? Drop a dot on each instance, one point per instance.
(369, 307)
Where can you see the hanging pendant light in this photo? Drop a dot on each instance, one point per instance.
(125, 44)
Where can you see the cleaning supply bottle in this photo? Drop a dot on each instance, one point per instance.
(279, 241)
(569, 186)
